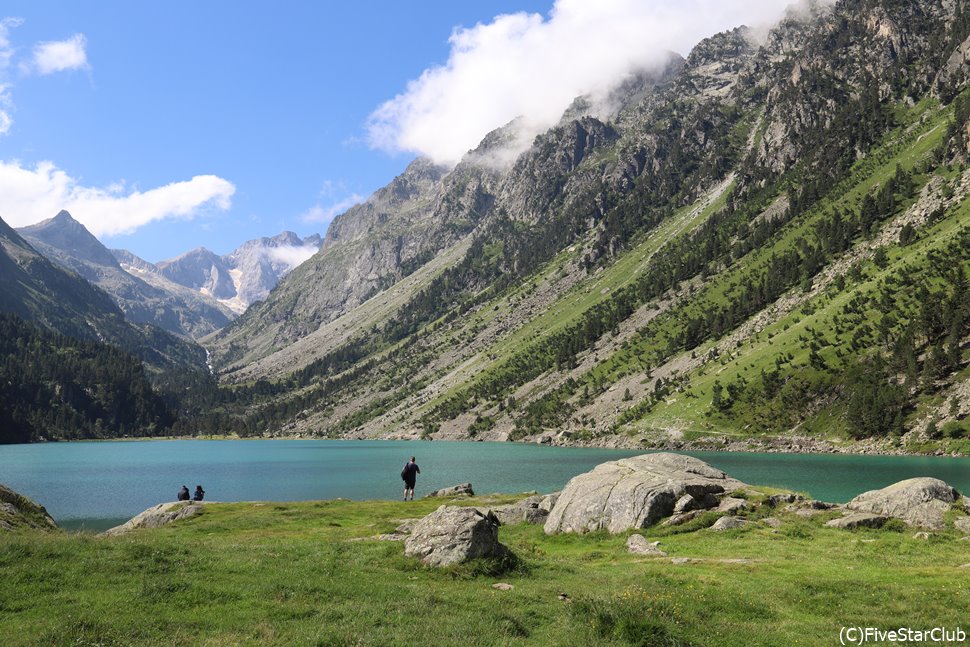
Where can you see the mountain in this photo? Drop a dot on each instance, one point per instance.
(144, 296)
(62, 302)
(242, 277)
(765, 244)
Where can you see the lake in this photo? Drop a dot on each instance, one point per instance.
(96, 485)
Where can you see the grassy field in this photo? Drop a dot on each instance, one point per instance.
(309, 574)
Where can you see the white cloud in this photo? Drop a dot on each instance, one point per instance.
(530, 66)
(61, 55)
(6, 53)
(291, 255)
(29, 195)
(323, 215)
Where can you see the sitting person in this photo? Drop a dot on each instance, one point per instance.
(199, 493)
(184, 494)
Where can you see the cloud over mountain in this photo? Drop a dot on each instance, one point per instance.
(530, 66)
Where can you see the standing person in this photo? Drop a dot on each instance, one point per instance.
(410, 475)
(184, 494)
(199, 493)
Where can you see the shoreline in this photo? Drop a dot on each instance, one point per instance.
(754, 445)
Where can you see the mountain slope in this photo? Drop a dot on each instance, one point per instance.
(720, 257)
(162, 303)
(36, 290)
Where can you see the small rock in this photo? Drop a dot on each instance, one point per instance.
(777, 499)
(965, 565)
(921, 535)
(686, 503)
(564, 597)
(730, 505)
(858, 520)
(683, 518)
(728, 523)
(391, 537)
(462, 489)
(638, 545)
(815, 504)
(502, 586)
(807, 512)
(772, 522)
(680, 561)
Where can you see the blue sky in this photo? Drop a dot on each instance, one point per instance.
(168, 126)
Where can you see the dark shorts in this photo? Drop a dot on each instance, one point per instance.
(409, 483)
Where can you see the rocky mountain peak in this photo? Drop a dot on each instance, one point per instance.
(63, 232)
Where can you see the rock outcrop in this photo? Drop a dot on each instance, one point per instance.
(462, 489)
(919, 502)
(452, 535)
(634, 492)
(159, 515)
(19, 512)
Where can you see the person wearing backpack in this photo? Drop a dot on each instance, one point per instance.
(409, 474)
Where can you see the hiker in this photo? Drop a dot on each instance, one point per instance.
(184, 494)
(410, 475)
(199, 493)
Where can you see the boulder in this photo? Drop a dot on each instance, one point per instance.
(730, 505)
(159, 515)
(462, 489)
(633, 492)
(919, 502)
(966, 504)
(962, 524)
(524, 511)
(17, 511)
(729, 523)
(452, 535)
(638, 545)
(772, 522)
(858, 520)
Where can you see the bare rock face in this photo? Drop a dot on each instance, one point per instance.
(634, 492)
(159, 515)
(919, 502)
(452, 535)
(19, 512)
(462, 489)
(962, 524)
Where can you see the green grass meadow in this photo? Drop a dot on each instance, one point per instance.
(310, 573)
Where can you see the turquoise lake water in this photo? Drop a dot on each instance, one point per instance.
(99, 484)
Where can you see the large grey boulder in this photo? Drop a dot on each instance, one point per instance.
(159, 515)
(962, 524)
(462, 489)
(634, 492)
(638, 545)
(19, 512)
(452, 535)
(919, 502)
